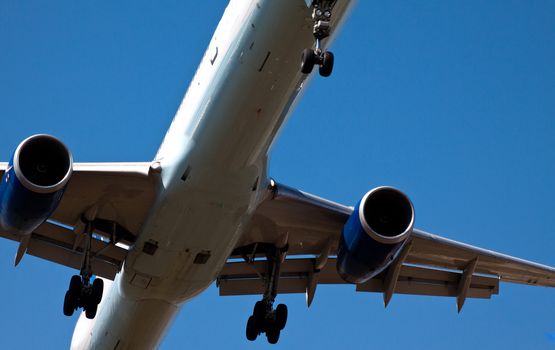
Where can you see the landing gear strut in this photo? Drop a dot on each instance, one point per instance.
(321, 15)
(264, 318)
(82, 293)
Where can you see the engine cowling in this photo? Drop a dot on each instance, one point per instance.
(374, 234)
(33, 183)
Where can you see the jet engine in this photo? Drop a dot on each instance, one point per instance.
(374, 234)
(33, 183)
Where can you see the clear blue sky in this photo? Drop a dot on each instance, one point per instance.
(451, 101)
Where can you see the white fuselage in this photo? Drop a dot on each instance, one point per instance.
(213, 171)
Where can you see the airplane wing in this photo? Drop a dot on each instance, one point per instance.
(120, 195)
(311, 228)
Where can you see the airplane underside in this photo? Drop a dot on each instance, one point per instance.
(214, 177)
(148, 237)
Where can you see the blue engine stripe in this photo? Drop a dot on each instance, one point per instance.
(22, 210)
(360, 257)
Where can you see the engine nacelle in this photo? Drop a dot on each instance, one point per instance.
(374, 234)
(33, 183)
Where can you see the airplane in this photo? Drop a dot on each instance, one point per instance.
(313, 83)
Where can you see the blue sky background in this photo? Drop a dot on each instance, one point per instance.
(453, 102)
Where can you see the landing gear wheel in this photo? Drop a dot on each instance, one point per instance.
(252, 331)
(308, 60)
(281, 316)
(327, 64)
(90, 310)
(259, 313)
(75, 285)
(97, 290)
(71, 299)
(93, 299)
(272, 334)
(69, 306)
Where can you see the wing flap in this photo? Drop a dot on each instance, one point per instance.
(56, 243)
(432, 250)
(242, 278)
(418, 280)
(253, 287)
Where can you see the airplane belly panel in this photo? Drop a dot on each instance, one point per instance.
(190, 249)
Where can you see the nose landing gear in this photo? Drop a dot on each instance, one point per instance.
(264, 318)
(321, 15)
(310, 58)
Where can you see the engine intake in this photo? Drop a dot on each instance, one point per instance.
(374, 234)
(34, 182)
(42, 163)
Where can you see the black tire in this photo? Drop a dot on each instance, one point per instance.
(75, 288)
(90, 310)
(308, 59)
(75, 284)
(97, 290)
(259, 313)
(327, 64)
(252, 331)
(69, 306)
(281, 316)
(272, 334)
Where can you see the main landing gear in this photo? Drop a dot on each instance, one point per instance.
(264, 318)
(82, 293)
(321, 15)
